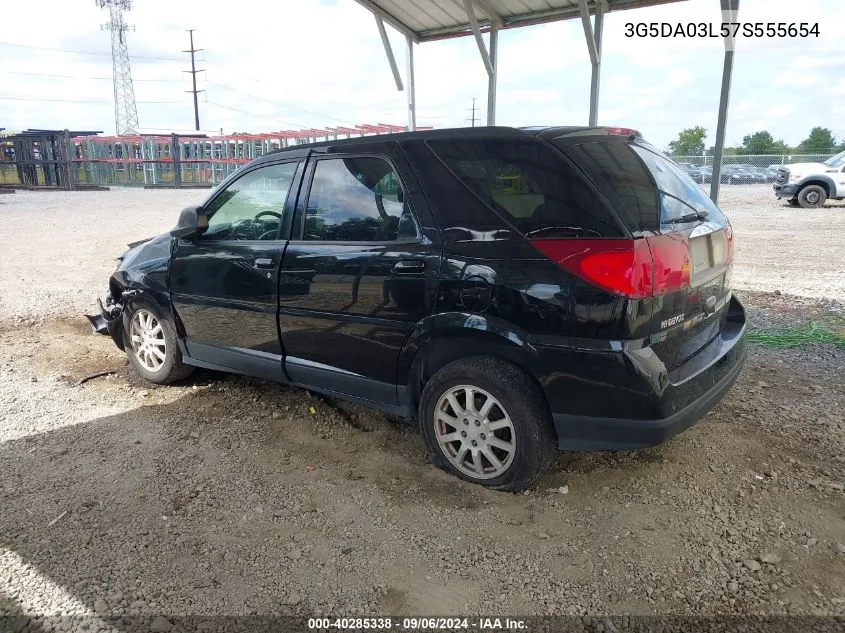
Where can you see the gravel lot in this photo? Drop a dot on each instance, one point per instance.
(226, 495)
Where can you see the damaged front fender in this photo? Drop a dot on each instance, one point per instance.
(143, 269)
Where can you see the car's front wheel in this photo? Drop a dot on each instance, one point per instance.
(487, 422)
(812, 197)
(151, 346)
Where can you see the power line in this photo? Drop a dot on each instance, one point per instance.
(36, 99)
(241, 75)
(18, 72)
(262, 116)
(62, 50)
(278, 104)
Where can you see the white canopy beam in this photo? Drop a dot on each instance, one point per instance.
(388, 50)
(476, 31)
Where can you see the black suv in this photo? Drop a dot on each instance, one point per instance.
(516, 290)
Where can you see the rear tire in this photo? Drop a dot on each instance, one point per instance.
(151, 345)
(812, 197)
(502, 438)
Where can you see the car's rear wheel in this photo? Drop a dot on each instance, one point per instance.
(812, 197)
(487, 422)
(151, 346)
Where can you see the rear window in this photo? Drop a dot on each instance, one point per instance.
(647, 189)
(530, 186)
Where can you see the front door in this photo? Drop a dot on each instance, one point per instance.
(356, 277)
(224, 283)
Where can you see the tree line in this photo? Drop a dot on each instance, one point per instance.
(821, 140)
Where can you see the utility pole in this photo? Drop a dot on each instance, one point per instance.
(473, 110)
(194, 72)
(125, 110)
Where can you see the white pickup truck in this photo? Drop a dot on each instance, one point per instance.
(810, 185)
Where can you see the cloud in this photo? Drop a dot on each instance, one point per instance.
(271, 66)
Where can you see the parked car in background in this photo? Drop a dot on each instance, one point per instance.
(810, 185)
(693, 171)
(739, 175)
(764, 175)
(495, 284)
(731, 175)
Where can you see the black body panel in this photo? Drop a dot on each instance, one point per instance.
(372, 321)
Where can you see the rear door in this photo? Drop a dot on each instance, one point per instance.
(654, 196)
(358, 273)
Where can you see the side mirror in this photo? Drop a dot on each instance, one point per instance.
(193, 221)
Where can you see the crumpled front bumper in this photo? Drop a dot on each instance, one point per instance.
(110, 320)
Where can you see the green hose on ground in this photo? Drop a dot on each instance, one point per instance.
(829, 330)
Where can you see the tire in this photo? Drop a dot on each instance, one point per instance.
(158, 336)
(519, 413)
(812, 197)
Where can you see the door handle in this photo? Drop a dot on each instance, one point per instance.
(409, 266)
(263, 262)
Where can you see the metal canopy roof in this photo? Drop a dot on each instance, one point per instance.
(426, 20)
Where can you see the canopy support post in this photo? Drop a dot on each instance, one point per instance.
(729, 11)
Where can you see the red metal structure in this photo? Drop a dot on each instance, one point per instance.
(191, 160)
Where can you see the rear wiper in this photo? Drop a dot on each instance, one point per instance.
(689, 217)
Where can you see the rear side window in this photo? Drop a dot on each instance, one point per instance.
(357, 200)
(623, 178)
(530, 186)
(673, 182)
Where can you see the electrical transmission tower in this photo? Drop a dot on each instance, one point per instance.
(125, 110)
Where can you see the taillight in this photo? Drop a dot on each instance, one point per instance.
(635, 269)
(670, 256)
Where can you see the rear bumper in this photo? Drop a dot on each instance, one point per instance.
(675, 401)
(785, 191)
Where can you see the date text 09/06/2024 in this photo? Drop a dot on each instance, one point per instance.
(722, 30)
(417, 624)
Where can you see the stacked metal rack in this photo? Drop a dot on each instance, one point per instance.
(193, 160)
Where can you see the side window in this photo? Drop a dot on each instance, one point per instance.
(251, 207)
(357, 200)
(617, 172)
(530, 186)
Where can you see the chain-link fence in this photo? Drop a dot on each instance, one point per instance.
(756, 160)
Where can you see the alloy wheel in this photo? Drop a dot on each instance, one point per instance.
(147, 338)
(475, 432)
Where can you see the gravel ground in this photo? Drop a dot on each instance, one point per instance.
(227, 495)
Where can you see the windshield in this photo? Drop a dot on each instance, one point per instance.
(836, 161)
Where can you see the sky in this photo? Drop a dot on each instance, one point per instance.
(292, 64)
